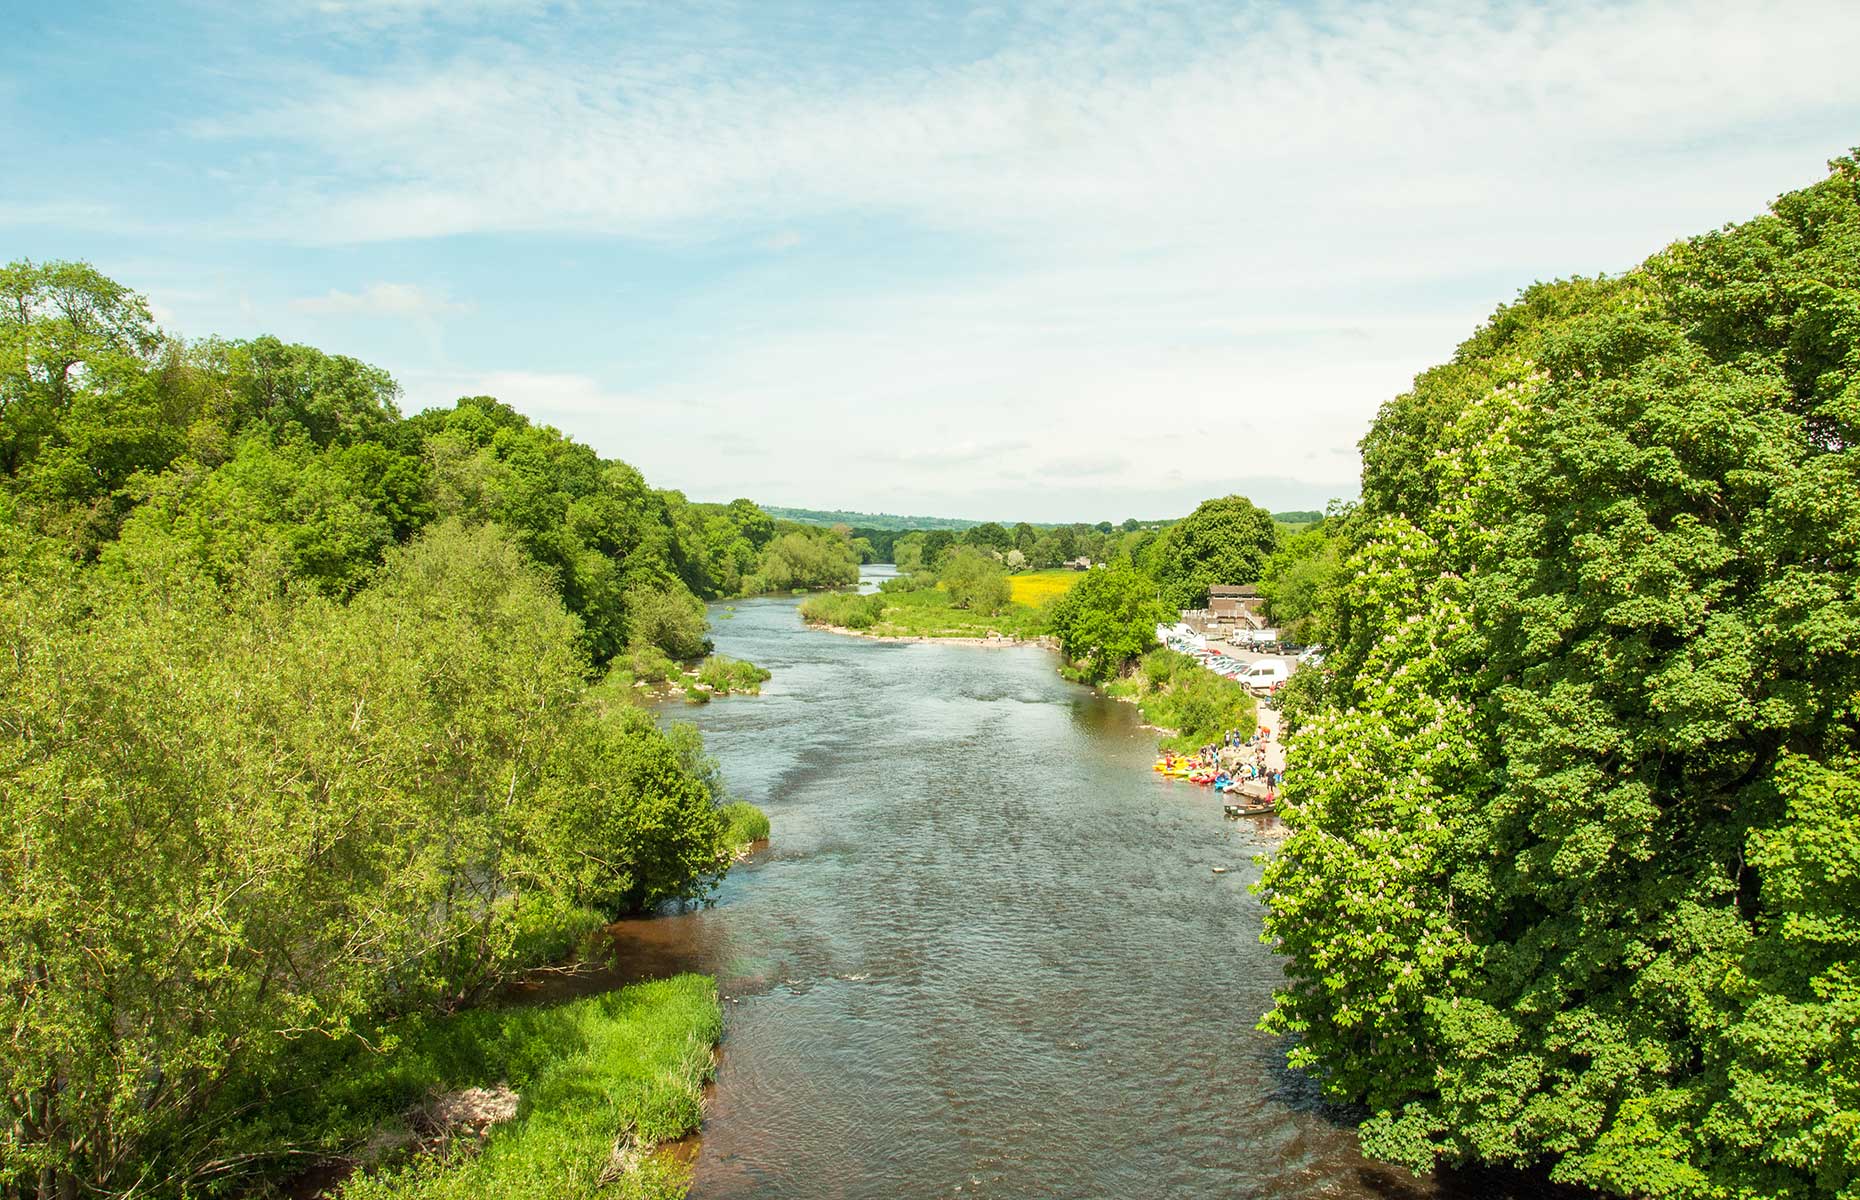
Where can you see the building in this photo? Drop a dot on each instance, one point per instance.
(1242, 607)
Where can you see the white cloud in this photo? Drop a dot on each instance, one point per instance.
(380, 300)
(1206, 242)
(1288, 127)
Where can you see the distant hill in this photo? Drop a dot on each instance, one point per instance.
(860, 520)
(892, 522)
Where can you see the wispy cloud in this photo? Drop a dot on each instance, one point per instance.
(1283, 125)
(380, 300)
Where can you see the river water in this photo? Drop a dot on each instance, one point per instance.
(986, 952)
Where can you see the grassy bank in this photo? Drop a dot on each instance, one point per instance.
(920, 612)
(598, 1083)
(1174, 692)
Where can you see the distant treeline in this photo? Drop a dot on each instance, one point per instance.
(1044, 545)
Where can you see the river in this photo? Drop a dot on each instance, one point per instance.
(986, 952)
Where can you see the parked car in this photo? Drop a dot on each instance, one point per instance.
(1265, 676)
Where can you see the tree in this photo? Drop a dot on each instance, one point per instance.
(936, 544)
(1570, 880)
(756, 525)
(1298, 578)
(807, 559)
(975, 581)
(1108, 620)
(989, 536)
(668, 617)
(1224, 541)
(908, 553)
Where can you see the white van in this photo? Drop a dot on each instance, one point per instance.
(1265, 675)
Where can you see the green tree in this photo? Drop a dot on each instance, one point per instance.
(1297, 580)
(975, 581)
(59, 322)
(1108, 620)
(936, 544)
(805, 558)
(1224, 541)
(670, 618)
(908, 553)
(989, 536)
(1571, 871)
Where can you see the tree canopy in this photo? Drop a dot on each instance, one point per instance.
(1108, 620)
(1572, 873)
(1224, 541)
(298, 728)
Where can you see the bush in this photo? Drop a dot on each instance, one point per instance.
(743, 824)
(806, 560)
(1200, 706)
(648, 664)
(843, 609)
(725, 675)
(1107, 620)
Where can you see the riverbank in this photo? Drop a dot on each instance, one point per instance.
(987, 643)
(496, 1102)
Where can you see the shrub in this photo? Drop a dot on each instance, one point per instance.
(806, 560)
(668, 617)
(843, 609)
(649, 664)
(975, 581)
(724, 675)
(1107, 620)
(743, 824)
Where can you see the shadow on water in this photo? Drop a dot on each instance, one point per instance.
(987, 952)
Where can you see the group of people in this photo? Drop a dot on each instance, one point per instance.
(1233, 746)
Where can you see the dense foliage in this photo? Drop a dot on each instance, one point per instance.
(1299, 576)
(1107, 621)
(296, 724)
(1223, 541)
(843, 609)
(1573, 876)
(975, 580)
(807, 559)
(1176, 693)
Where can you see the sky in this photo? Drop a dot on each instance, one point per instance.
(1043, 261)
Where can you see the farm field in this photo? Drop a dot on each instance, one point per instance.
(1037, 587)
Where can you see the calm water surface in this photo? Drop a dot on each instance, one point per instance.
(986, 953)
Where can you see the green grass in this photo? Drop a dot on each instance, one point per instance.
(625, 1065)
(926, 612)
(743, 824)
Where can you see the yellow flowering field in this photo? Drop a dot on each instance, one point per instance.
(1037, 587)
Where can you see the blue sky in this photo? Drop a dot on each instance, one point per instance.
(1041, 260)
